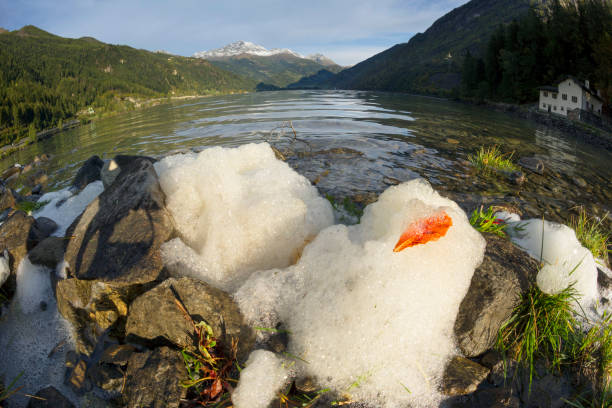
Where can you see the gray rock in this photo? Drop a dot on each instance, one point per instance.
(462, 376)
(496, 288)
(153, 379)
(50, 397)
(107, 377)
(49, 252)
(533, 164)
(109, 172)
(37, 189)
(88, 173)
(155, 319)
(42, 228)
(118, 236)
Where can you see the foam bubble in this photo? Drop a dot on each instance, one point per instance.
(64, 208)
(237, 210)
(566, 260)
(33, 286)
(265, 374)
(370, 321)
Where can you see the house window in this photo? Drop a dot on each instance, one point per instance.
(555, 107)
(562, 108)
(554, 96)
(544, 105)
(564, 97)
(575, 99)
(545, 94)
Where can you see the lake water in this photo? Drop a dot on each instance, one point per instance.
(354, 144)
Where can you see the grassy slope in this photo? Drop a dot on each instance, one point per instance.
(421, 64)
(279, 70)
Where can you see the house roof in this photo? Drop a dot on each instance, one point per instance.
(582, 85)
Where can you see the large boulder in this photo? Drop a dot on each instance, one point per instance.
(113, 254)
(153, 379)
(117, 238)
(154, 318)
(496, 288)
(49, 252)
(88, 173)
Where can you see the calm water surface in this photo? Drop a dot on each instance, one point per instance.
(354, 144)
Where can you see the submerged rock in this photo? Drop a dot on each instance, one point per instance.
(50, 397)
(154, 318)
(496, 288)
(49, 252)
(153, 379)
(15, 238)
(532, 163)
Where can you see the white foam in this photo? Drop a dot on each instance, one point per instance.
(264, 376)
(70, 206)
(5, 269)
(566, 260)
(237, 210)
(30, 336)
(369, 321)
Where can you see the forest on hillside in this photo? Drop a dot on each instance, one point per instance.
(46, 79)
(539, 49)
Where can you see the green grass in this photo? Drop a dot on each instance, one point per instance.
(345, 207)
(492, 159)
(541, 326)
(29, 207)
(591, 400)
(6, 393)
(485, 221)
(591, 234)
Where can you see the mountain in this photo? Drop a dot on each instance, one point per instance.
(244, 47)
(45, 78)
(431, 61)
(270, 68)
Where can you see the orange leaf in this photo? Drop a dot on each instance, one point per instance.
(424, 230)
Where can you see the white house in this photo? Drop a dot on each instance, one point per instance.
(568, 95)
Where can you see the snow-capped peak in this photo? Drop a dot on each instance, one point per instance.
(244, 47)
(321, 59)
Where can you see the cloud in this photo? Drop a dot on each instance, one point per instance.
(187, 26)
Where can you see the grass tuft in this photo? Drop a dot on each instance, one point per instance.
(485, 221)
(541, 326)
(492, 159)
(591, 234)
(29, 207)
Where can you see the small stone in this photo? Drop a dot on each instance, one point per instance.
(118, 354)
(37, 189)
(107, 377)
(72, 358)
(462, 376)
(305, 384)
(579, 181)
(452, 141)
(77, 379)
(532, 163)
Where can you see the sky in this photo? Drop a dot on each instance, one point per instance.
(347, 31)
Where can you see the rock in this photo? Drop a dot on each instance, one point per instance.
(462, 376)
(77, 379)
(7, 198)
(533, 164)
(306, 384)
(37, 189)
(109, 172)
(38, 177)
(15, 237)
(107, 377)
(49, 397)
(452, 141)
(117, 354)
(517, 177)
(490, 398)
(94, 308)
(153, 379)
(43, 227)
(154, 318)
(88, 173)
(579, 181)
(11, 172)
(603, 281)
(496, 288)
(49, 252)
(5, 214)
(118, 236)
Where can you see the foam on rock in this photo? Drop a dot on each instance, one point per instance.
(237, 210)
(565, 260)
(64, 208)
(264, 376)
(369, 321)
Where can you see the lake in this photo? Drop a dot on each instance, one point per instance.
(354, 144)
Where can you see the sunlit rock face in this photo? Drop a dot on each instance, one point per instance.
(367, 319)
(237, 211)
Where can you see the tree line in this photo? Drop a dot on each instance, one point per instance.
(573, 38)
